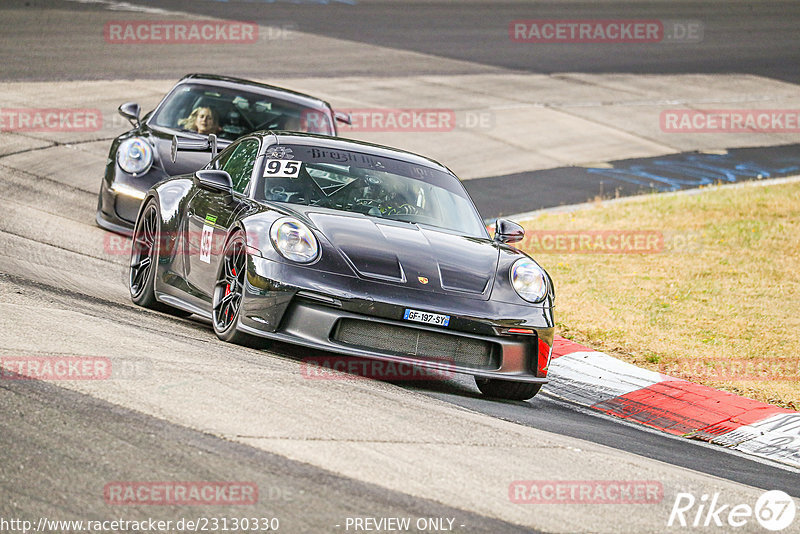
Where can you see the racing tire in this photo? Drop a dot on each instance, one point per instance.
(507, 389)
(229, 293)
(145, 249)
(144, 258)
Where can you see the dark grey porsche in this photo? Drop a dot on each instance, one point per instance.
(198, 106)
(347, 247)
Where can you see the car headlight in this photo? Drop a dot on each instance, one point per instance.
(294, 240)
(135, 155)
(529, 280)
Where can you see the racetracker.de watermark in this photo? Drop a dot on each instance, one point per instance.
(730, 121)
(351, 368)
(366, 120)
(627, 31)
(586, 492)
(55, 368)
(50, 120)
(745, 369)
(180, 32)
(609, 241)
(181, 493)
(75, 368)
(189, 243)
(387, 120)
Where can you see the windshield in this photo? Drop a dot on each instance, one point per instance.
(373, 186)
(231, 113)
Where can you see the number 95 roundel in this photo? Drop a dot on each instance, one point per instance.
(282, 168)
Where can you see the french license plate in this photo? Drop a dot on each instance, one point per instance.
(427, 318)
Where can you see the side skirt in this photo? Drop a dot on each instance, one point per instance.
(177, 302)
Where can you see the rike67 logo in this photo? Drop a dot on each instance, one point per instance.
(774, 510)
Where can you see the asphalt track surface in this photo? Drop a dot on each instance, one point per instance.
(67, 442)
(739, 37)
(547, 188)
(60, 444)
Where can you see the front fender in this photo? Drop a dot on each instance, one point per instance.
(171, 197)
(503, 291)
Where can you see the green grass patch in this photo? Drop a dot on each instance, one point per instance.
(723, 283)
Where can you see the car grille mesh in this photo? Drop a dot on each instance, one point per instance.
(425, 344)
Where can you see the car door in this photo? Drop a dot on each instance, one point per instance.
(210, 214)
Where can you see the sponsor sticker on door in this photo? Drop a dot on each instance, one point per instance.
(206, 240)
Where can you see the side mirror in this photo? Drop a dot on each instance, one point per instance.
(343, 117)
(215, 180)
(506, 231)
(193, 144)
(131, 111)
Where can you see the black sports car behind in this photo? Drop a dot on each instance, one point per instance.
(198, 105)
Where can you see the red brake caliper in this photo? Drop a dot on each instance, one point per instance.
(228, 291)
